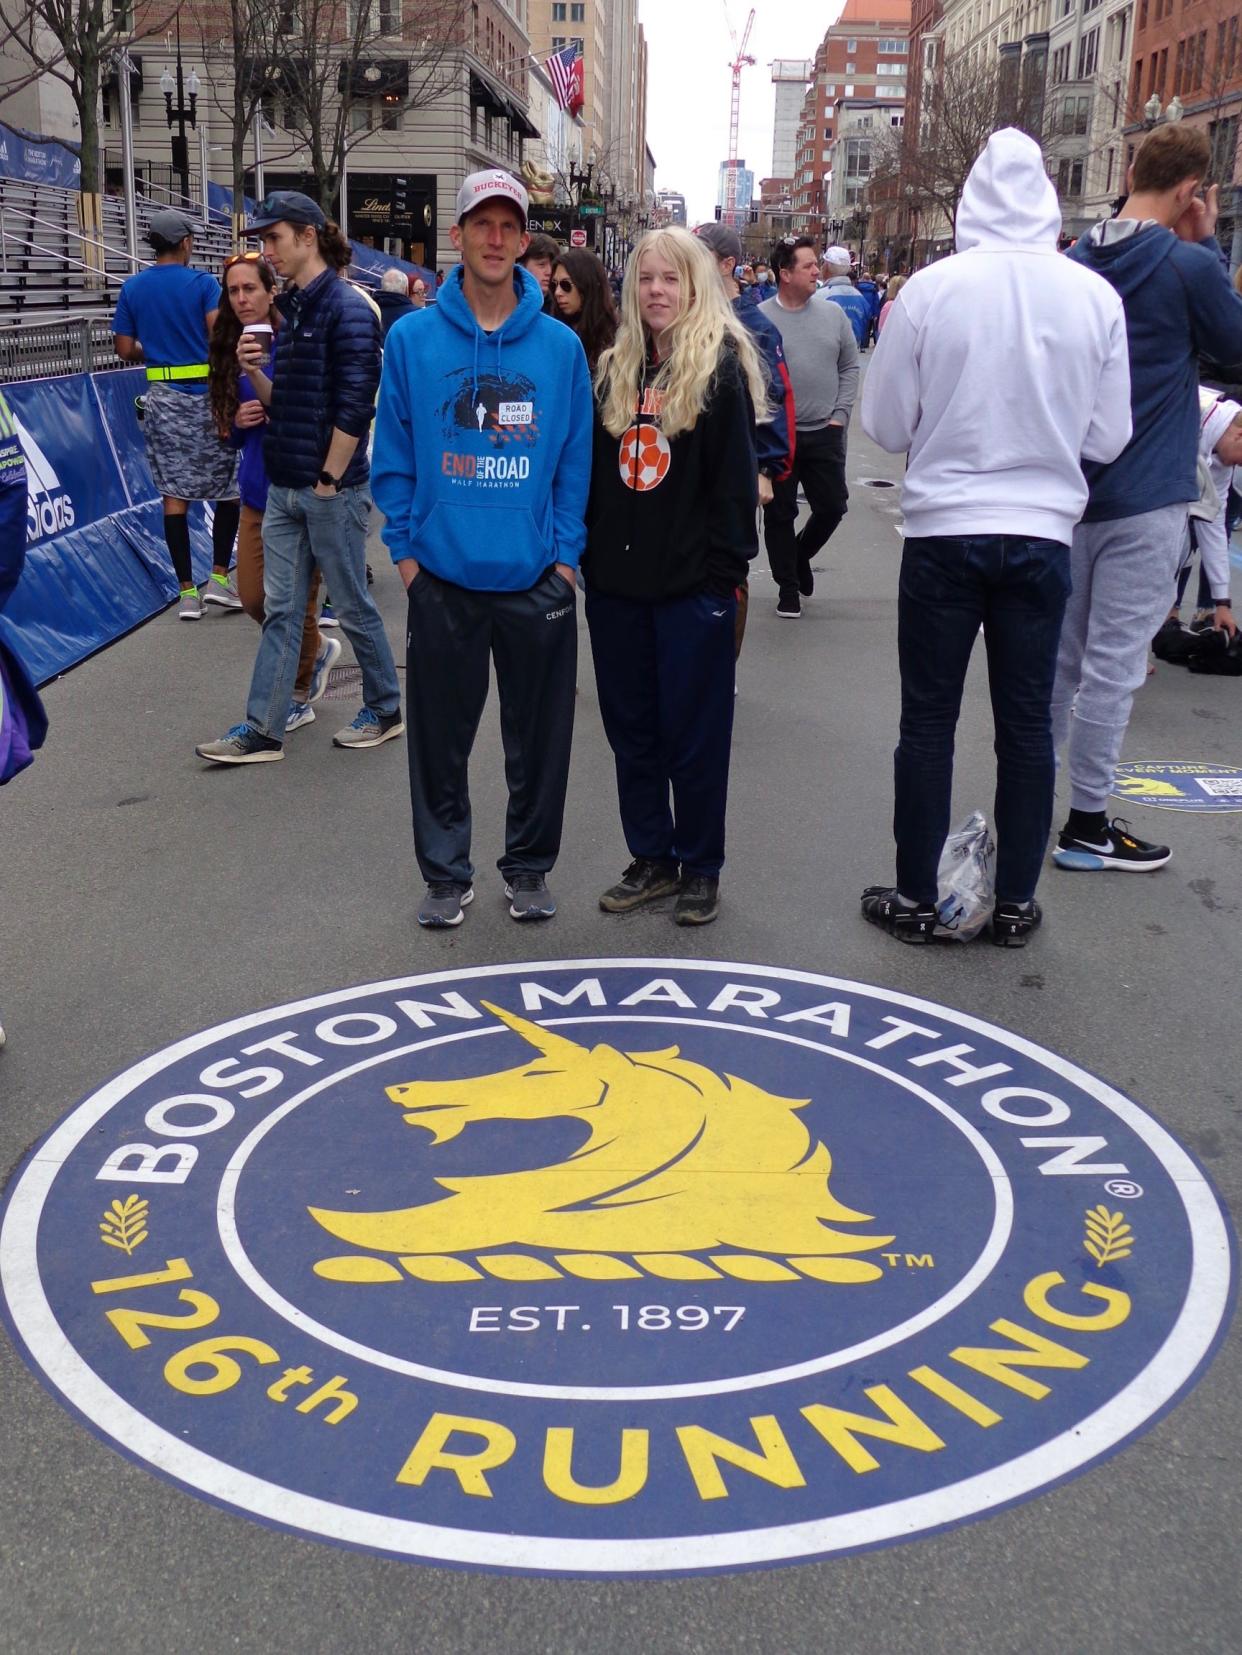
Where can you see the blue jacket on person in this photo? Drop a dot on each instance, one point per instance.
(327, 368)
(248, 440)
(482, 459)
(1178, 304)
(871, 293)
(840, 290)
(775, 437)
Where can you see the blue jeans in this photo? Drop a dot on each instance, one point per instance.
(301, 530)
(1016, 589)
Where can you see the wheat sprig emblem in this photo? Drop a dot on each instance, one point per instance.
(1108, 1236)
(125, 1224)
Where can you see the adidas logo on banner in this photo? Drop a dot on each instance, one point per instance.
(49, 507)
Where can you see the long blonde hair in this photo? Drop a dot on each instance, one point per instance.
(705, 323)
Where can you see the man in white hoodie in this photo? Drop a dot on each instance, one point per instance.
(999, 370)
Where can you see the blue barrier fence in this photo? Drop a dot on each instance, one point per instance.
(96, 563)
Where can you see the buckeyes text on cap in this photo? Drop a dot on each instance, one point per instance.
(493, 185)
(170, 225)
(286, 207)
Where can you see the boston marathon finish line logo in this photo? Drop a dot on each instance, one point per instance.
(614, 1266)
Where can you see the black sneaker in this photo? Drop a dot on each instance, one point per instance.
(1014, 922)
(698, 901)
(908, 923)
(1116, 847)
(806, 580)
(442, 906)
(644, 880)
(529, 896)
(789, 606)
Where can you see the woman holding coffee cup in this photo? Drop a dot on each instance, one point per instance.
(240, 359)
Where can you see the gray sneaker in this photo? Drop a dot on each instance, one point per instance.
(221, 592)
(242, 745)
(443, 904)
(191, 607)
(369, 730)
(529, 897)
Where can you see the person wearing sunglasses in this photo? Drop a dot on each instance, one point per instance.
(582, 299)
(248, 302)
(164, 316)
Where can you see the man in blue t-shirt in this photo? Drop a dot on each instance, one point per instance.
(164, 317)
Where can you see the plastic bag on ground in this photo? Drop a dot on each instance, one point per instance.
(966, 880)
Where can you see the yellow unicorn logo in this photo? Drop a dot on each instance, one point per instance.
(688, 1174)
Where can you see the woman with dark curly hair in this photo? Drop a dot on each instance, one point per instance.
(247, 302)
(582, 299)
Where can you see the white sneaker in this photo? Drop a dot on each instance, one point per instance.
(329, 655)
(299, 713)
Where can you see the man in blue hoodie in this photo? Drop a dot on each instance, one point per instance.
(482, 465)
(1161, 256)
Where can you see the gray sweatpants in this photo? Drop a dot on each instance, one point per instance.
(1124, 574)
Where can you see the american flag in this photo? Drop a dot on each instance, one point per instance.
(565, 70)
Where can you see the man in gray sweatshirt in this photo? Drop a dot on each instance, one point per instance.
(822, 358)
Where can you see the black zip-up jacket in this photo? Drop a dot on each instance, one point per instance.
(326, 375)
(670, 517)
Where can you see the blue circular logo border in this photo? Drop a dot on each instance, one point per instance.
(1189, 1347)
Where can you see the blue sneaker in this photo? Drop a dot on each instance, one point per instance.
(370, 730)
(327, 616)
(329, 654)
(299, 713)
(242, 745)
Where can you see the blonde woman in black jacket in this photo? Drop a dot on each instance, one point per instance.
(670, 535)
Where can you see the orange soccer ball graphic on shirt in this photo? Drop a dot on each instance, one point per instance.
(644, 457)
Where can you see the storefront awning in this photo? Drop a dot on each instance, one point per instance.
(489, 92)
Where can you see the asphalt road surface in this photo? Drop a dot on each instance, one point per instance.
(143, 897)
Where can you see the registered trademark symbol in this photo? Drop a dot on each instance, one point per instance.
(1125, 1188)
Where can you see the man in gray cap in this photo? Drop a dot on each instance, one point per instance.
(320, 398)
(164, 317)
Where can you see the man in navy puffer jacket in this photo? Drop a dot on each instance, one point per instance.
(320, 398)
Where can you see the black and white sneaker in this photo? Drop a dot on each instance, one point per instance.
(1013, 923)
(789, 606)
(442, 906)
(1116, 847)
(529, 897)
(906, 921)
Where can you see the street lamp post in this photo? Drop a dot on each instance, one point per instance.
(181, 116)
(124, 70)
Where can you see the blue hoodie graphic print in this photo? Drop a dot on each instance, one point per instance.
(481, 461)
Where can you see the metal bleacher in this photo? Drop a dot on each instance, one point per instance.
(54, 313)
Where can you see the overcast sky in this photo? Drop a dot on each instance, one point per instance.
(688, 87)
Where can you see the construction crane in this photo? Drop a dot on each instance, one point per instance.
(730, 212)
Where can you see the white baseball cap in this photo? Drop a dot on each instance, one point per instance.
(494, 185)
(840, 256)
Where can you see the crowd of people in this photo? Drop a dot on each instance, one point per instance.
(525, 432)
